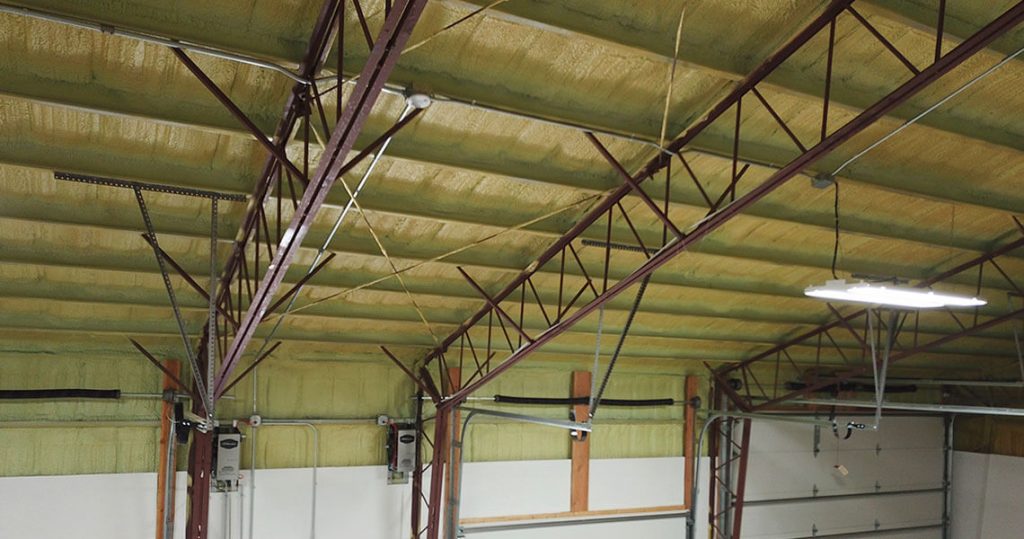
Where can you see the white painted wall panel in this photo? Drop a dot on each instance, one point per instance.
(970, 478)
(515, 488)
(986, 497)
(351, 501)
(622, 483)
(357, 502)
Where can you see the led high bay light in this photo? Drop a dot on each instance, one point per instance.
(890, 295)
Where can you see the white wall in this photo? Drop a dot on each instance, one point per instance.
(986, 496)
(351, 501)
(357, 502)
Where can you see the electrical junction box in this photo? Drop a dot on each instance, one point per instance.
(227, 458)
(405, 460)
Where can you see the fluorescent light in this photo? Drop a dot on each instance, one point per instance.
(885, 294)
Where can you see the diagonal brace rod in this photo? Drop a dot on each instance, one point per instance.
(634, 185)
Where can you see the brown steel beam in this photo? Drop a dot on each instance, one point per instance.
(893, 358)
(382, 59)
(437, 475)
(200, 466)
(865, 119)
(188, 278)
(633, 184)
(659, 162)
(741, 480)
(844, 320)
(862, 121)
(276, 149)
(313, 58)
(255, 363)
(423, 384)
(200, 452)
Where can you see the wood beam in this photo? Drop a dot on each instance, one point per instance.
(165, 473)
(579, 497)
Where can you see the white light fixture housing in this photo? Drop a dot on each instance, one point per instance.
(418, 100)
(889, 295)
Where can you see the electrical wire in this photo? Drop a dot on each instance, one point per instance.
(447, 27)
(671, 77)
(438, 258)
(376, 239)
(835, 246)
(894, 132)
(928, 110)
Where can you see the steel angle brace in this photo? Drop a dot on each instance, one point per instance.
(151, 238)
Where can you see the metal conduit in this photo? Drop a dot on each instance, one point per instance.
(691, 529)
(916, 407)
(455, 470)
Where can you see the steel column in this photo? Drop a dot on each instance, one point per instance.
(200, 451)
(200, 466)
(437, 474)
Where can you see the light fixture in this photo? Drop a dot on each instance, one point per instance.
(418, 100)
(887, 294)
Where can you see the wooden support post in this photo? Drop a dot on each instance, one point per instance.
(689, 438)
(580, 492)
(165, 472)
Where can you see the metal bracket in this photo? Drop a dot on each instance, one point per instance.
(193, 362)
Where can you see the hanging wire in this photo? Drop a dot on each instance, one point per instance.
(928, 110)
(447, 27)
(835, 246)
(438, 258)
(671, 78)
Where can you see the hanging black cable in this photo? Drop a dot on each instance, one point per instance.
(835, 247)
(69, 393)
(572, 401)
